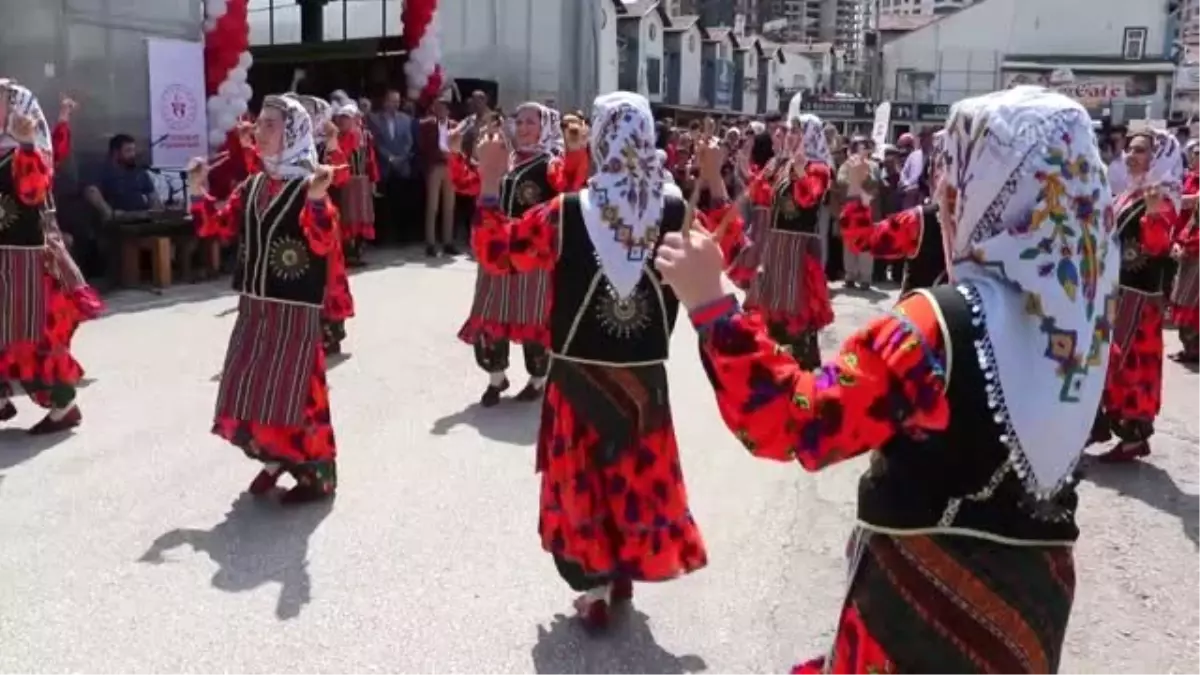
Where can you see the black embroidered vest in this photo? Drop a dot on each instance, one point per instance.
(525, 186)
(789, 216)
(962, 477)
(275, 260)
(928, 266)
(20, 225)
(588, 322)
(1139, 271)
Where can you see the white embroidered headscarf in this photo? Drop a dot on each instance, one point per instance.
(297, 157)
(548, 131)
(816, 149)
(1166, 170)
(557, 142)
(319, 110)
(21, 101)
(1034, 242)
(623, 203)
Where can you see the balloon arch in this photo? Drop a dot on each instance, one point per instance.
(227, 59)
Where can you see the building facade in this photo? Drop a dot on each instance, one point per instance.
(921, 7)
(1108, 57)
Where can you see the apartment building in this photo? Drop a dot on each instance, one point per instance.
(920, 7)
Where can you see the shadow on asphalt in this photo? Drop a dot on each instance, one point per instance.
(511, 422)
(1152, 486)
(627, 647)
(258, 543)
(18, 447)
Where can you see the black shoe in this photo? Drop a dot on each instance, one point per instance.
(450, 250)
(529, 393)
(7, 411)
(491, 395)
(430, 251)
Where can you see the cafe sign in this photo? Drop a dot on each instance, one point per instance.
(1089, 91)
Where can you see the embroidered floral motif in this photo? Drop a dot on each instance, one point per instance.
(288, 258)
(624, 317)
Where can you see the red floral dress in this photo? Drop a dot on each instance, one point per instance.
(309, 445)
(629, 518)
(339, 301)
(1133, 391)
(886, 379)
(44, 364)
(357, 184)
(896, 237)
(1184, 310)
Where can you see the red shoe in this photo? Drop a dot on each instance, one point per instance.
(52, 426)
(622, 591)
(1125, 452)
(8, 411)
(592, 612)
(264, 482)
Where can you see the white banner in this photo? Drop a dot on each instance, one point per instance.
(178, 115)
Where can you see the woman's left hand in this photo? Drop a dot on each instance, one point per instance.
(693, 265)
(318, 185)
(24, 129)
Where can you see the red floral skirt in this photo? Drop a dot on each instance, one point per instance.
(45, 361)
(1185, 313)
(339, 302)
(308, 442)
(788, 286)
(627, 517)
(513, 307)
(357, 207)
(1133, 391)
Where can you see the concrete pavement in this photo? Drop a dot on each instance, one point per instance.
(128, 547)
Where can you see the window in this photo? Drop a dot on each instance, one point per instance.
(653, 32)
(1134, 46)
(691, 43)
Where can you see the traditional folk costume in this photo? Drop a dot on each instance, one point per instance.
(43, 297)
(339, 301)
(273, 402)
(1133, 395)
(511, 307)
(977, 396)
(614, 508)
(1184, 311)
(356, 196)
(912, 235)
(787, 282)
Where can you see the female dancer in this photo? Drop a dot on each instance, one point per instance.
(912, 235)
(355, 198)
(513, 307)
(273, 402)
(613, 503)
(39, 312)
(1184, 312)
(977, 396)
(1146, 212)
(788, 287)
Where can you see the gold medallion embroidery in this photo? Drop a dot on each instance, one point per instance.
(528, 193)
(288, 259)
(624, 317)
(8, 212)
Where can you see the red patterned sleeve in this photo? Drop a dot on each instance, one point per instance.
(759, 189)
(319, 220)
(888, 378)
(733, 238)
(60, 140)
(214, 219)
(336, 156)
(1156, 228)
(503, 245)
(894, 238)
(463, 175)
(569, 173)
(32, 175)
(809, 188)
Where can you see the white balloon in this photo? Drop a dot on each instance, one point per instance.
(238, 75)
(247, 92)
(238, 107)
(215, 105)
(246, 60)
(228, 88)
(228, 119)
(216, 138)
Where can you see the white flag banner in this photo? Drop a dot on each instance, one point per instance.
(178, 115)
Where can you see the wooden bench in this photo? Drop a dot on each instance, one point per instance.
(155, 233)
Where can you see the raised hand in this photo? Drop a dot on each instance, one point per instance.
(492, 154)
(197, 174)
(692, 263)
(576, 137)
(318, 184)
(66, 108)
(24, 129)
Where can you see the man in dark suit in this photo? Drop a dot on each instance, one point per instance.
(433, 147)
(394, 132)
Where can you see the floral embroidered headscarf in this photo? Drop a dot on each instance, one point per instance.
(319, 110)
(816, 148)
(21, 101)
(623, 202)
(1166, 170)
(549, 132)
(1031, 234)
(298, 154)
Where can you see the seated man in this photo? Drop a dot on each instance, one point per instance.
(121, 185)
